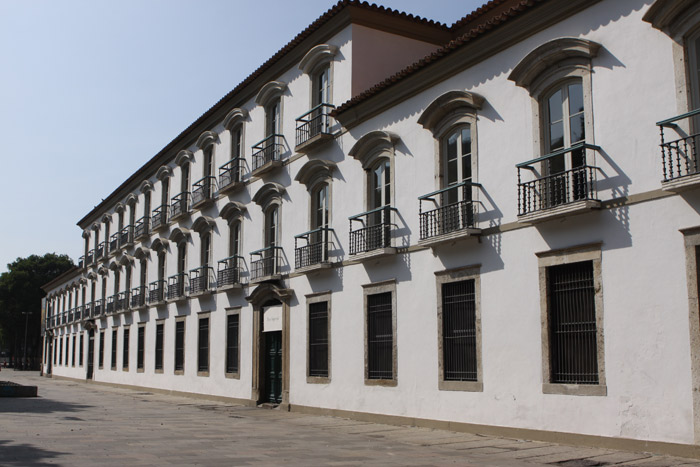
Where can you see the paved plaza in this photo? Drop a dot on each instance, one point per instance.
(76, 424)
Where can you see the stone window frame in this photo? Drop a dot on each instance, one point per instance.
(235, 121)
(314, 62)
(691, 241)
(200, 316)
(143, 350)
(589, 252)
(447, 276)
(373, 289)
(236, 374)
(159, 322)
(370, 150)
(180, 319)
(316, 298)
(314, 175)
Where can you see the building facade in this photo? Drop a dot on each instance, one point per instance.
(492, 225)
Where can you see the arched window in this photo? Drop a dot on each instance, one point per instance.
(268, 152)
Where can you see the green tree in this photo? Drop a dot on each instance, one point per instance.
(20, 291)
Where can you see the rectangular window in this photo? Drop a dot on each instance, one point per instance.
(114, 349)
(180, 346)
(572, 324)
(80, 362)
(101, 360)
(141, 345)
(318, 339)
(232, 332)
(125, 349)
(159, 347)
(55, 351)
(380, 333)
(459, 331)
(72, 353)
(203, 347)
(572, 321)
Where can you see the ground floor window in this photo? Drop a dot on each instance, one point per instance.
(318, 339)
(203, 346)
(125, 349)
(380, 333)
(141, 345)
(180, 345)
(232, 343)
(101, 357)
(80, 358)
(72, 353)
(159, 347)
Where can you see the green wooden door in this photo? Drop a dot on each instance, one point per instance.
(273, 366)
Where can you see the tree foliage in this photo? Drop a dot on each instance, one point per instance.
(20, 291)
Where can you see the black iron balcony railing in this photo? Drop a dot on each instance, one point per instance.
(160, 217)
(229, 271)
(81, 262)
(90, 258)
(138, 296)
(231, 173)
(110, 304)
(98, 308)
(156, 291)
(267, 262)
(315, 122)
(126, 236)
(313, 248)
(180, 205)
(141, 228)
(562, 187)
(176, 286)
(450, 209)
(78, 313)
(374, 230)
(203, 190)
(122, 301)
(680, 156)
(113, 242)
(99, 251)
(202, 280)
(267, 151)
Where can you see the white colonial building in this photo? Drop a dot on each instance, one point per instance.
(491, 227)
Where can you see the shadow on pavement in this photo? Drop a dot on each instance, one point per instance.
(25, 454)
(37, 405)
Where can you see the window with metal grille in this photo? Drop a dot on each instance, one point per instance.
(380, 336)
(140, 347)
(203, 350)
(114, 349)
(232, 322)
(459, 331)
(159, 346)
(179, 345)
(80, 362)
(318, 339)
(72, 353)
(125, 349)
(572, 324)
(102, 350)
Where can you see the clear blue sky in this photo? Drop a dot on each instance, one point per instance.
(90, 90)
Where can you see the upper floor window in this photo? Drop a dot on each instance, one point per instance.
(273, 125)
(268, 260)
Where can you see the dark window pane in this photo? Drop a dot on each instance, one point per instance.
(159, 347)
(232, 343)
(459, 331)
(380, 336)
(203, 352)
(179, 345)
(318, 339)
(575, 98)
(140, 348)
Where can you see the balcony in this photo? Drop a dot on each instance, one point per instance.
(681, 169)
(267, 155)
(265, 264)
(228, 274)
(450, 214)
(90, 258)
(126, 237)
(563, 193)
(231, 175)
(156, 292)
(314, 128)
(81, 262)
(370, 233)
(203, 192)
(311, 249)
(159, 219)
(141, 228)
(99, 251)
(78, 313)
(88, 312)
(111, 307)
(176, 287)
(98, 309)
(113, 244)
(180, 206)
(122, 303)
(202, 280)
(138, 297)
(70, 314)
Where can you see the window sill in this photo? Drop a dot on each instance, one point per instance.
(139, 370)
(564, 210)
(203, 373)
(318, 380)
(676, 185)
(381, 382)
(575, 389)
(233, 375)
(313, 268)
(159, 372)
(126, 368)
(179, 372)
(450, 237)
(466, 386)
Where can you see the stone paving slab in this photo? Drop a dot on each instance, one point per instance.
(77, 424)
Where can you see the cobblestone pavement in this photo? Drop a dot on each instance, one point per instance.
(76, 424)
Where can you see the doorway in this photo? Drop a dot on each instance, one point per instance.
(272, 383)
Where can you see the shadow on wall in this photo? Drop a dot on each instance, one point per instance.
(485, 250)
(693, 200)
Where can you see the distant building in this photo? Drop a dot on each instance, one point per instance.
(393, 219)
